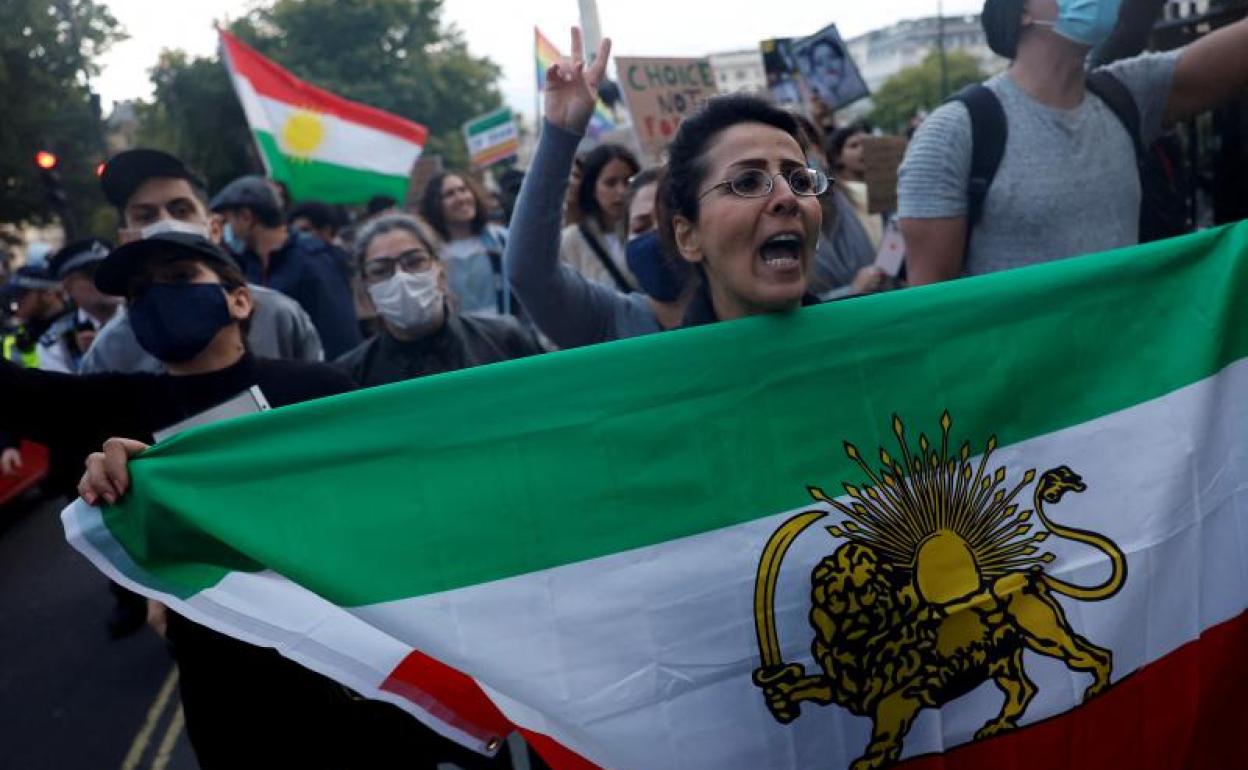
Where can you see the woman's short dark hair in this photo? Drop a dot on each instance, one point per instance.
(431, 203)
(838, 138)
(595, 161)
(686, 162)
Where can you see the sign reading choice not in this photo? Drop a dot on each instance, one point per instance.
(660, 93)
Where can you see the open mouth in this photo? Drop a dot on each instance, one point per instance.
(782, 251)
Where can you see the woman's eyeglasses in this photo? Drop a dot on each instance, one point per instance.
(757, 183)
(382, 268)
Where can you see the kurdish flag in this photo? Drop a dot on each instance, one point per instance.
(995, 523)
(546, 54)
(320, 145)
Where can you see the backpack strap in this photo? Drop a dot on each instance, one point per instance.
(621, 282)
(988, 134)
(1120, 102)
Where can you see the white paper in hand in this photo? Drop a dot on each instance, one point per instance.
(892, 251)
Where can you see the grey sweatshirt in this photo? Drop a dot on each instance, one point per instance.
(569, 309)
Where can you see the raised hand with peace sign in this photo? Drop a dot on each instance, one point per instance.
(572, 86)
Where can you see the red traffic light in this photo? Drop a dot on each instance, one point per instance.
(45, 160)
(99, 169)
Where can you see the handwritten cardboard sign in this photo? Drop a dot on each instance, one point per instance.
(882, 157)
(660, 93)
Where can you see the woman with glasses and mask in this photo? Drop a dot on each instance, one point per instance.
(421, 331)
(738, 202)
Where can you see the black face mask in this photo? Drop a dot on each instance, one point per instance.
(176, 321)
(660, 277)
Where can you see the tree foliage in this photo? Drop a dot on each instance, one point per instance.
(392, 54)
(918, 88)
(195, 115)
(48, 54)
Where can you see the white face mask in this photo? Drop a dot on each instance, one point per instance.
(173, 226)
(411, 302)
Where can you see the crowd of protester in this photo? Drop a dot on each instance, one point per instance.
(755, 211)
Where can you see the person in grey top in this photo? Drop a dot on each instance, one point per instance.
(1067, 183)
(278, 328)
(567, 307)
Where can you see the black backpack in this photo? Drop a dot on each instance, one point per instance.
(1164, 209)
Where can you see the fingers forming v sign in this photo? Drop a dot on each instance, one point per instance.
(572, 87)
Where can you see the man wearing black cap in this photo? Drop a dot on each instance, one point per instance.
(245, 706)
(154, 192)
(299, 265)
(1067, 181)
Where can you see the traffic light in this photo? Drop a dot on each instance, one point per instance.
(58, 200)
(47, 163)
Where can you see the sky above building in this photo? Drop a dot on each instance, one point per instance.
(502, 30)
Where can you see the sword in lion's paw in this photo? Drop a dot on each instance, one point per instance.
(774, 676)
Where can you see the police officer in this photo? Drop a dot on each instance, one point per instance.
(47, 321)
(74, 266)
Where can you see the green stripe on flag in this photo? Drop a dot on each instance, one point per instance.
(314, 180)
(486, 122)
(484, 474)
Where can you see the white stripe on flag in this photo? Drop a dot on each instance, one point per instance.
(345, 143)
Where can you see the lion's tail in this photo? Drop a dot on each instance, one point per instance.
(1117, 575)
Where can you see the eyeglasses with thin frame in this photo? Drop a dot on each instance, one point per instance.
(382, 268)
(757, 183)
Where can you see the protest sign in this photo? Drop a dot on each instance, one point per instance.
(492, 137)
(881, 155)
(825, 65)
(660, 93)
(781, 70)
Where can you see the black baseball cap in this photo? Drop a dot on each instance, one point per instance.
(247, 192)
(1002, 21)
(78, 255)
(126, 171)
(114, 273)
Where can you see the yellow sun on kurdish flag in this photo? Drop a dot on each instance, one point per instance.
(320, 145)
(303, 133)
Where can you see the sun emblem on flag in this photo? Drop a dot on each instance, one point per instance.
(939, 585)
(303, 133)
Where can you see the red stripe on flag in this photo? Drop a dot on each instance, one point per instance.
(1186, 711)
(448, 695)
(276, 83)
(558, 756)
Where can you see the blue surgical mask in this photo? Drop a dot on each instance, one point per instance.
(660, 276)
(232, 240)
(1087, 22)
(176, 321)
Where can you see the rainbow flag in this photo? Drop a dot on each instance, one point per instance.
(544, 55)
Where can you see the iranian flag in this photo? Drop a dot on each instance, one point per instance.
(995, 523)
(323, 147)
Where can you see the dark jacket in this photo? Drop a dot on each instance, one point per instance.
(244, 705)
(463, 341)
(307, 270)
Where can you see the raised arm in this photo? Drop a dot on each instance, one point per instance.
(1209, 72)
(569, 309)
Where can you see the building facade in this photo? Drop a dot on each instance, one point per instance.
(739, 71)
(882, 53)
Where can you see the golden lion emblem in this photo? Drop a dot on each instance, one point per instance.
(938, 586)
